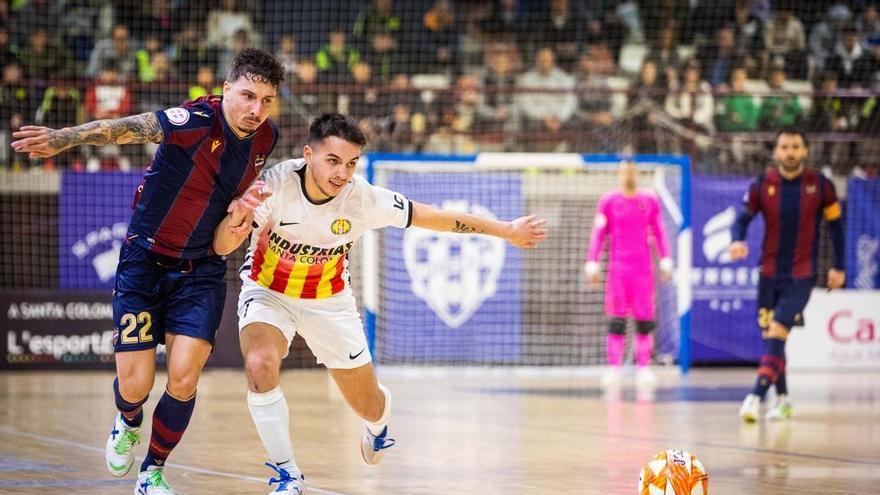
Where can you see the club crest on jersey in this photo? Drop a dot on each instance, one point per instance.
(811, 189)
(259, 160)
(177, 115)
(340, 226)
(454, 273)
(771, 191)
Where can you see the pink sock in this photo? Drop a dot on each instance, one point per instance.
(644, 348)
(614, 348)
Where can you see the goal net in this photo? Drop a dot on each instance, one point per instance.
(445, 298)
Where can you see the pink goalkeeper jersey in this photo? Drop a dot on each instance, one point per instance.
(630, 222)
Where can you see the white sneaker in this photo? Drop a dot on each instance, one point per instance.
(611, 378)
(750, 410)
(152, 482)
(119, 452)
(781, 411)
(373, 446)
(645, 377)
(287, 484)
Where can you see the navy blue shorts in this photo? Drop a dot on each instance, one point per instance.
(155, 294)
(783, 300)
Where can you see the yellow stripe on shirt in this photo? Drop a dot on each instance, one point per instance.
(267, 269)
(297, 279)
(325, 288)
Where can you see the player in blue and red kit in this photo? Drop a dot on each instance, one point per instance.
(170, 285)
(793, 200)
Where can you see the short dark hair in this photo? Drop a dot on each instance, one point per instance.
(339, 125)
(791, 131)
(258, 66)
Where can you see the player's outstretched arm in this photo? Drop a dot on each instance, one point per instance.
(661, 242)
(524, 232)
(597, 241)
(836, 274)
(43, 142)
(832, 214)
(738, 248)
(751, 206)
(234, 229)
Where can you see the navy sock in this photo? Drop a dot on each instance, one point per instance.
(170, 420)
(771, 367)
(132, 413)
(781, 384)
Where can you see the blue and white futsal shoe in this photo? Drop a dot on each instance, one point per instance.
(287, 484)
(373, 446)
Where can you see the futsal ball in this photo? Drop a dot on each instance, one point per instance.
(674, 472)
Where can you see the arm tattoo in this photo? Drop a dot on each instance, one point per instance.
(135, 129)
(463, 228)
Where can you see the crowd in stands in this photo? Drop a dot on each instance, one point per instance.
(459, 76)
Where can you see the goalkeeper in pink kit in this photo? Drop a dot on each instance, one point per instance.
(631, 218)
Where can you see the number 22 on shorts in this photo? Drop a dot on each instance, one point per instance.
(130, 324)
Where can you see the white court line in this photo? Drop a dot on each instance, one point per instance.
(82, 446)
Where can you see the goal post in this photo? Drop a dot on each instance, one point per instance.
(450, 299)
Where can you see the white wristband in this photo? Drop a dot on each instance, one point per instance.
(591, 268)
(666, 264)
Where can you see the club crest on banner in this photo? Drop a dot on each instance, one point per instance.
(722, 285)
(454, 273)
(102, 246)
(717, 237)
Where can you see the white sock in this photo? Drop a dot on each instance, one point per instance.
(376, 427)
(272, 419)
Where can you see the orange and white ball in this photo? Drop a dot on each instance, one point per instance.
(674, 472)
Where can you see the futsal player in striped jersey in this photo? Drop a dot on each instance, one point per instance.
(295, 280)
(632, 220)
(170, 285)
(793, 200)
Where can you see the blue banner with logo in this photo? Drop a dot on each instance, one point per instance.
(863, 234)
(723, 314)
(93, 218)
(452, 297)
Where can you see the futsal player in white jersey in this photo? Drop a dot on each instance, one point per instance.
(303, 219)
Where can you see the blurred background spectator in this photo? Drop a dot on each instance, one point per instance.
(694, 76)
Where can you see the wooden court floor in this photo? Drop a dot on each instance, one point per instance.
(462, 431)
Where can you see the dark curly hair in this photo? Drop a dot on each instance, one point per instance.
(336, 124)
(258, 66)
(791, 131)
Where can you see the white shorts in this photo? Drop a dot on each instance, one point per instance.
(331, 327)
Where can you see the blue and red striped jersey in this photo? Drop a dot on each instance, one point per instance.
(792, 210)
(200, 166)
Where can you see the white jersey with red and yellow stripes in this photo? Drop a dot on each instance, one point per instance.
(300, 248)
